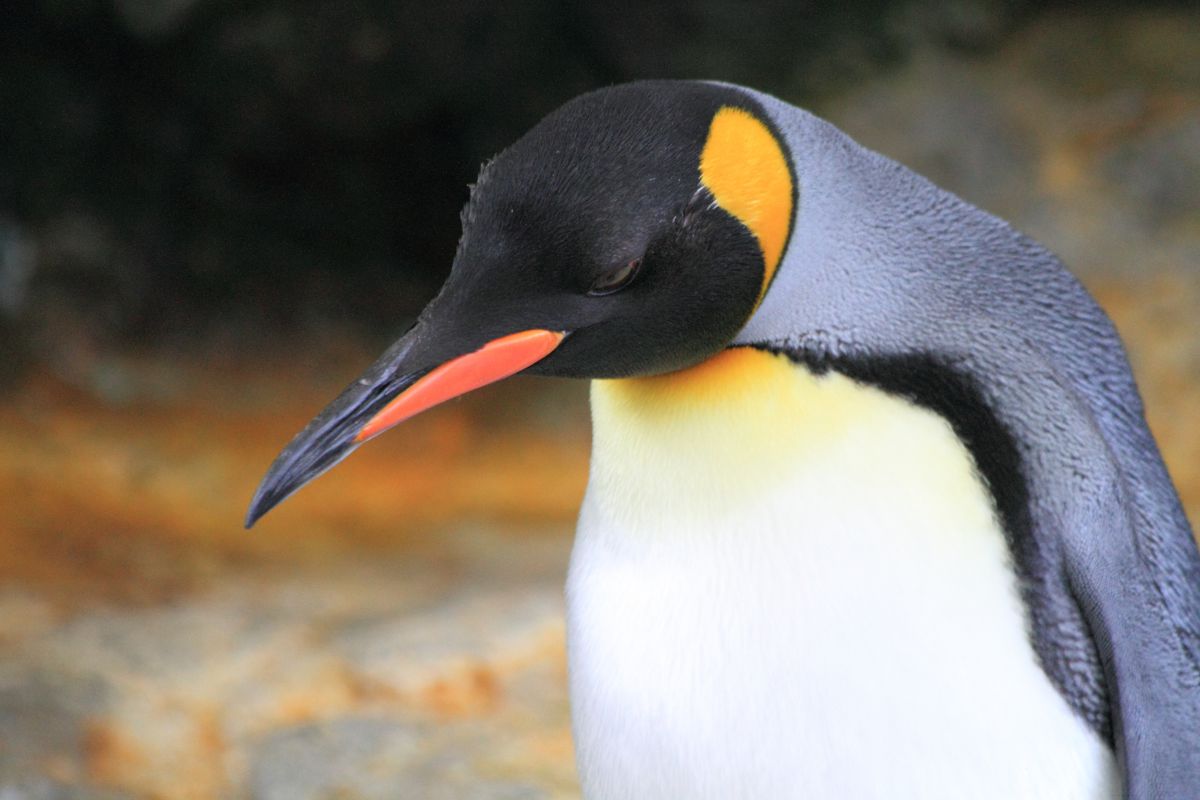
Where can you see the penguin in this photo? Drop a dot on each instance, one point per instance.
(872, 511)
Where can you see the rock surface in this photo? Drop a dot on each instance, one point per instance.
(394, 678)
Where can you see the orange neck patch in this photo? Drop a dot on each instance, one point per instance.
(730, 379)
(745, 169)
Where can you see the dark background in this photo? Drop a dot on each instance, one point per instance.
(294, 161)
(215, 214)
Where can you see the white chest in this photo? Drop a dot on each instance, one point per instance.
(816, 605)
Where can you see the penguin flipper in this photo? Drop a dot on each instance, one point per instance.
(1144, 624)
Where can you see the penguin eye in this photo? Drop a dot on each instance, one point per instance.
(617, 279)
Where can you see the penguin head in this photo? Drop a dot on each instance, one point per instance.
(631, 232)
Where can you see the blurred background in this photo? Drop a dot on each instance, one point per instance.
(214, 214)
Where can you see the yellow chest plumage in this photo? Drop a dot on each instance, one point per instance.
(720, 435)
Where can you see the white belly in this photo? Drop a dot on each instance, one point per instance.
(821, 612)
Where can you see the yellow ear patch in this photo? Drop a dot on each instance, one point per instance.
(745, 169)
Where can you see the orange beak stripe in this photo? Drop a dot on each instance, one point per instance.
(494, 361)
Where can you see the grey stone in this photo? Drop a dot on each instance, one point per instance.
(375, 759)
(18, 257)
(473, 627)
(42, 789)
(1159, 171)
(42, 717)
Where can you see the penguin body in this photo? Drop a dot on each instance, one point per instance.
(873, 509)
(802, 610)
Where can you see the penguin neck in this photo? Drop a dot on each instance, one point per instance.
(704, 416)
(727, 430)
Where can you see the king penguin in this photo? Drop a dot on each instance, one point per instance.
(873, 510)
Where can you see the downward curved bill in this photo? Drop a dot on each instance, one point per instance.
(388, 393)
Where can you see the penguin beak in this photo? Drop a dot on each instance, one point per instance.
(388, 393)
